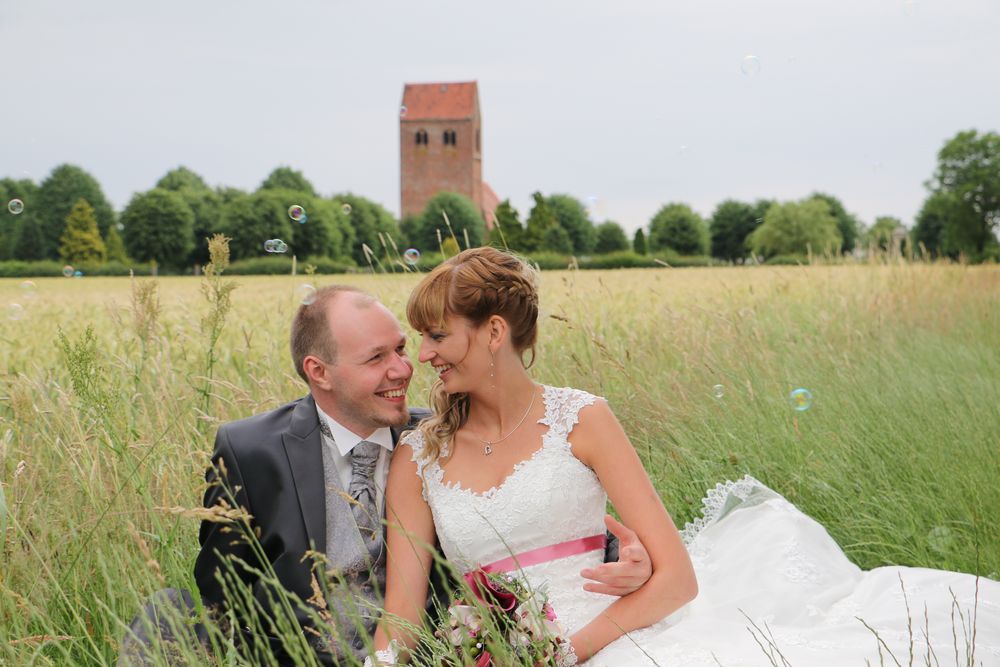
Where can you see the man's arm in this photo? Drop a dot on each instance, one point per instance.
(223, 542)
(626, 563)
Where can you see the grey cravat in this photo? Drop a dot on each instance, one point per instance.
(362, 489)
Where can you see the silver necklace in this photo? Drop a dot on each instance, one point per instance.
(488, 444)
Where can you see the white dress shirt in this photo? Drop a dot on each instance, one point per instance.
(339, 449)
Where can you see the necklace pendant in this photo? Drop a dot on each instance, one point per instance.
(488, 449)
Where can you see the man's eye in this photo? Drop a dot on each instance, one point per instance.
(376, 357)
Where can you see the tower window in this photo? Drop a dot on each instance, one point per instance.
(449, 138)
(421, 137)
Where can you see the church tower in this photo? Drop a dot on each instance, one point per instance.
(440, 146)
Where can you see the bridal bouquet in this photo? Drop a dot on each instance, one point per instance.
(503, 614)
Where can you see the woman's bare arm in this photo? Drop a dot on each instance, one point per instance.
(599, 442)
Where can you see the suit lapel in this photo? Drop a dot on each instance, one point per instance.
(304, 448)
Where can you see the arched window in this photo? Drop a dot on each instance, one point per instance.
(421, 137)
(449, 138)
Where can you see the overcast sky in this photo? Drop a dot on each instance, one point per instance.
(634, 103)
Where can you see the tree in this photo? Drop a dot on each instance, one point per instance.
(81, 242)
(250, 220)
(364, 222)
(676, 227)
(158, 226)
(572, 216)
(931, 222)
(732, 222)
(847, 224)
(540, 219)
(409, 231)
(28, 244)
(115, 246)
(56, 197)
(610, 238)
(286, 178)
(881, 233)
(556, 239)
(796, 228)
(968, 169)
(508, 231)
(181, 178)
(639, 242)
(11, 225)
(462, 214)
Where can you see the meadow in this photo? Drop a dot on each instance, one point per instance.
(111, 390)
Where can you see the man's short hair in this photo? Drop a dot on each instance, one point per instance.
(311, 334)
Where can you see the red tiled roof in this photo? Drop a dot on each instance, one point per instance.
(490, 203)
(439, 101)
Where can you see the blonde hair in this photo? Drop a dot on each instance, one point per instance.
(474, 284)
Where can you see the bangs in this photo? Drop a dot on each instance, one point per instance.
(428, 303)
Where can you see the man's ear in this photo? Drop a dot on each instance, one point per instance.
(317, 372)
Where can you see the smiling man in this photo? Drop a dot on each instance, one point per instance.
(310, 476)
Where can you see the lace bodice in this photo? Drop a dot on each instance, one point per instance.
(549, 498)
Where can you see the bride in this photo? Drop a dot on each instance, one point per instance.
(506, 467)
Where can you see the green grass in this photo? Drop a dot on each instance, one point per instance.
(897, 456)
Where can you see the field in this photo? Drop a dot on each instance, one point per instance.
(104, 437)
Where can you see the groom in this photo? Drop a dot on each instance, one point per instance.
(311, 475)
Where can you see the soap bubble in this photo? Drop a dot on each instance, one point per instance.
(750, 65)
(28, 289)
(280, 246)
(295, 212)
(269, 245)
(305, 294)
(411, 256)
(120, 227)
(940, 539)
(68, 271)
(15, 311)
(78, 274)
(402, 111)
(718, 391)
(15, 206)
(346, 208)
(800, 399)
(304, 219)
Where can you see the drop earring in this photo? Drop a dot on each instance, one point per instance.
(492, 370)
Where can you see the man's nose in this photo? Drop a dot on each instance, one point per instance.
(401, 366)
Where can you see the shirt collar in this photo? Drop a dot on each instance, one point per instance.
(345, 439)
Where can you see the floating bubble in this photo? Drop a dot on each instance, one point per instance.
(295, 212)
(15, 206)
(269, 245)
(718, 391)
(346, 208)
(280, 246)
(800, 399)
(28, 289)
(120, 226)
(940, 539)
(305, 294)
(68, 271)
(402, 111)
(304, 219)
(750, 65)
(78, 274)
(15, 311)
(411, 256)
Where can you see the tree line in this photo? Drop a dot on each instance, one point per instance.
(67, 217)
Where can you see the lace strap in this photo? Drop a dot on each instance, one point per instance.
(562, 408)
(415, 439)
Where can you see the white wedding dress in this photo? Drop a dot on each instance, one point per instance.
(759, 562)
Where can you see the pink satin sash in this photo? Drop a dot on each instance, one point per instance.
(551, 552)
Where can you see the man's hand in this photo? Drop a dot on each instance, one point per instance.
(629, 573)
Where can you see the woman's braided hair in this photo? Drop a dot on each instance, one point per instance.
(474, 284)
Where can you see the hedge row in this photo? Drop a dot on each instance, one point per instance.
(282, 265)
